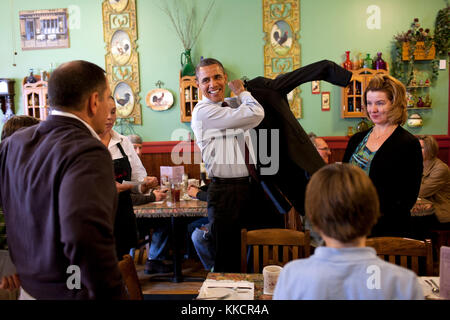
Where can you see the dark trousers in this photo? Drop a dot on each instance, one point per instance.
(232, 206)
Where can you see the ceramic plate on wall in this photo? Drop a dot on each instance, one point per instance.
(124, 97)
(159, 99)
(118, 5)
(121, 47)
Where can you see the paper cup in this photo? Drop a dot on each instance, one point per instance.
(271, 274)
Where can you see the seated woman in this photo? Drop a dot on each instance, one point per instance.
(432, 209)
(342, 205)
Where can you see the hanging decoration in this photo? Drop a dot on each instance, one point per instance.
(122, 59)
(281, 25)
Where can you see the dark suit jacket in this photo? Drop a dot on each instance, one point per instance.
(298, 155)
(58, 194)
(396, 172)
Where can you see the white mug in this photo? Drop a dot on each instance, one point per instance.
(271, 274)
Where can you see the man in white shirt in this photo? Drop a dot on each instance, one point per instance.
(219, 125)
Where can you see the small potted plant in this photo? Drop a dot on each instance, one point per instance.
(415, 44)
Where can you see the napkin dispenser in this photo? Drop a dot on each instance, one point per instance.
(174, 173)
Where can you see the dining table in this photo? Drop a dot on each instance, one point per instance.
(173, 211)
(258, 280)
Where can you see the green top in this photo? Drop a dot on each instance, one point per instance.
(362, 157)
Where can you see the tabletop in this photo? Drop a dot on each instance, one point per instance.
(256, 278)
(164, 209)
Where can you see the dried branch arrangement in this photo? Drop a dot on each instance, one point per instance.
(184, 21)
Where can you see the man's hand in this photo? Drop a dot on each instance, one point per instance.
(149, 182)
(10, 282)
(123, 187)
(160, 194)
(192, 191)
(237, 86)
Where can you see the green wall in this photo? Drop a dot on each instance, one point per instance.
(233, 34)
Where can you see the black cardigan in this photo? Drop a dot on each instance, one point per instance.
(396, 172)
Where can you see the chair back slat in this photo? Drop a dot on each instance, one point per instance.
(285, 253)
(295, 253)
(265, 255)
(255, 259)
(270, 242)
(392, 259)
(406, 249)
(404, 261)
(275, 256)
(415, 264)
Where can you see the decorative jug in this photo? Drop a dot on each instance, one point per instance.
(187, 67)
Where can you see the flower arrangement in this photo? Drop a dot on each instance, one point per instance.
(415, 34)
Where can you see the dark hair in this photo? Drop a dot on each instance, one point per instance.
(342, 202)
(17, 122)
(135, 139)
(396, 93)
(73, 82)
(430, 147)
(208, 62)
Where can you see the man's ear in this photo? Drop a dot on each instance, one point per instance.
(93, 103)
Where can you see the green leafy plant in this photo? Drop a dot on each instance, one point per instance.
(442, 31)
(405, 71)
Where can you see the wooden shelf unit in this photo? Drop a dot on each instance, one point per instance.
(189, 96)
(35, 96)
(352, 95)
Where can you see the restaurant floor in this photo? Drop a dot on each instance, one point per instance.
(161, 287)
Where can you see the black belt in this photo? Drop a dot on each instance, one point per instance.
(231, 180)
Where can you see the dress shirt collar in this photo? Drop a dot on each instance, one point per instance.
(345, 254)
(116, 138)
(71, 115)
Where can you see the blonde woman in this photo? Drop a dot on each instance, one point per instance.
(390, 155)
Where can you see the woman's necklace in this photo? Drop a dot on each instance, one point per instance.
(382, 134)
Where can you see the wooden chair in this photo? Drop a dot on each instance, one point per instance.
(392, 249)
(129, 275)
(294, 244)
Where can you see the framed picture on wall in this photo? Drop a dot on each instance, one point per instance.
(44, 29)
(315, 87)
(325, 101)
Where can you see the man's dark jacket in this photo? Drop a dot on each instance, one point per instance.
(298, 156)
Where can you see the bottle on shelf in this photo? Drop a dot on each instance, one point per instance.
(348, 64)
(358, 87)
(379, 63)
(31, 78)
(357, 61)
(350, 105)
(367, 62)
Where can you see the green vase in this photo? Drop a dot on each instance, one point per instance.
(187, 67)
(368, 62)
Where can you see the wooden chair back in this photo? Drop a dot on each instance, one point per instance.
(129, 275)
(404, 252)
(275, 244)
